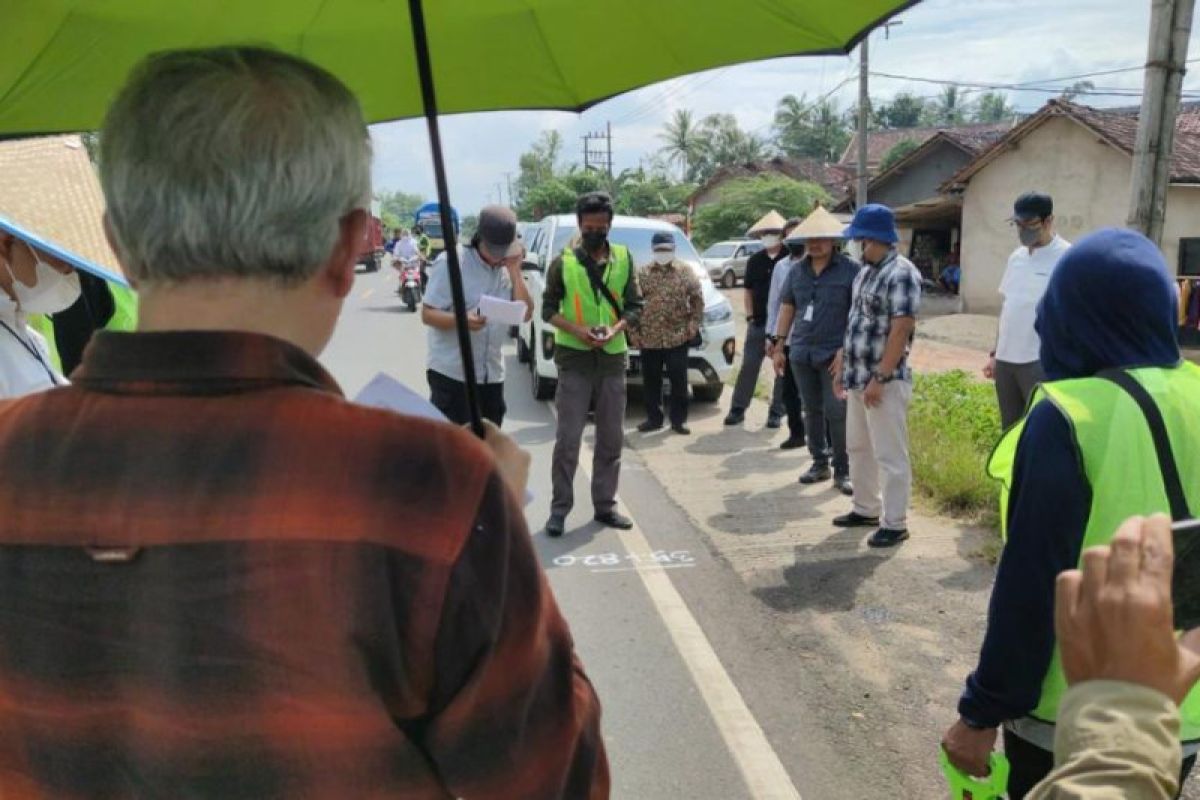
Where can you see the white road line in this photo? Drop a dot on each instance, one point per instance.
(760, 766)
(367, 293)
(648, 568)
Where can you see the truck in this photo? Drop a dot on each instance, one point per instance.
(429, 217)
(371, 254)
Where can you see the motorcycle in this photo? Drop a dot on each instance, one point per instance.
(410, 290)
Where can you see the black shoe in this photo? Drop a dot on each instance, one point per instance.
(887, 537)
(682, 430)
(735, 416)
(842, 484)
(817, 473)
(773, 421)
(855, 520)
(793, 443)
(555, 526)
(649, 426)
(612, 519)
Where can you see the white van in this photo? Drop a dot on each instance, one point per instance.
(708, 365)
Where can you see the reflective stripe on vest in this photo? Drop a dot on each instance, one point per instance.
(1119, 462)
(587, 307)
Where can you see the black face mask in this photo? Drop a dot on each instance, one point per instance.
(594, 240)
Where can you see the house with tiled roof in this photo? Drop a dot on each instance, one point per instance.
(1083, 158)
(881, 142)
(833, 178)
(928, 220)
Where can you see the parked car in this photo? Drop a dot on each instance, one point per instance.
(725, 262)
(708, 364)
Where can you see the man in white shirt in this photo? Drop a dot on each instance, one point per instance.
(405, 247)
(1014, 365)
(29, 284)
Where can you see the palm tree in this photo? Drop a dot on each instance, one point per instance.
(683, 141)
(950, 108)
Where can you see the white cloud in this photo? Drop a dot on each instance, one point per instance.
(981, 41)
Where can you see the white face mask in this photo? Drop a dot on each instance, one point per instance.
(52, 293)
(771, 241)
(664, 257)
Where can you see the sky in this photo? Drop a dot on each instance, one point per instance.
(975, 41)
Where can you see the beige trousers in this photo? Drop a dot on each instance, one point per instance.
(877, 442)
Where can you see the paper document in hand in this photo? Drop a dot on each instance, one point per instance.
(386, 392)
(502, 312)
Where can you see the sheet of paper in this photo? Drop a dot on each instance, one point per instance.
(501, 312)
(384, 391)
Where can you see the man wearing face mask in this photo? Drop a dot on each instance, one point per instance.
(591, 297)
(785, 396)
(29, 284)
(1014, 364)
(757, 293)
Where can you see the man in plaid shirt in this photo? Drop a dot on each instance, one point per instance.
(220, 579)
(873, 371)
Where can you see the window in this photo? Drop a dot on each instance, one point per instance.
(1189, 256)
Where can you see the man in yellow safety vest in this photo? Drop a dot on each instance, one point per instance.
(591, 297)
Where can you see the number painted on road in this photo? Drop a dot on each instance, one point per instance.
(627, 562)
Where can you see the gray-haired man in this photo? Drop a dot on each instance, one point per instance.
(222, 579)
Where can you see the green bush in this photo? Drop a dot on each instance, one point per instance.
(953, 425)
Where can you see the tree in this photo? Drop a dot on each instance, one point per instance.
(538, 164)
(1075, 89)
(470, 224)
(724, 143)
(949, 108)
(398, 208)
(742, 201)
(810, 131)
(993, 107)
(898, 151)
(904, 111)
(640, 193)
(683, 142)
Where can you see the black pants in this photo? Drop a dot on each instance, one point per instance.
(450, 397)
(1031, 763)
(791, 398)
(825, 413)
(676, 361)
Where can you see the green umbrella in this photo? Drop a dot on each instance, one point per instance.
(61, 61)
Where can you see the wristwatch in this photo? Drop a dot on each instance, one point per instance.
(773, 339)
(881, 378)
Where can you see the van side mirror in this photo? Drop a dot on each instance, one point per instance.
(531, 263)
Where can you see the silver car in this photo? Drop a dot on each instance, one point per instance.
(725, 262)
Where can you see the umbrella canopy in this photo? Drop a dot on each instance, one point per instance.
(771, 221)
(61, 61)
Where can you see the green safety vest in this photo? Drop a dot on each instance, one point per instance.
(124, 318)
(583, 305)
(1120, 463)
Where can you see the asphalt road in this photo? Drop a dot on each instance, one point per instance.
(699, 701)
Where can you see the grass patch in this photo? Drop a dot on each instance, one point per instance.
(953, 425)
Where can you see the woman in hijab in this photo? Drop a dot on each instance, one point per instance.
(1082, 461)
(30, 283)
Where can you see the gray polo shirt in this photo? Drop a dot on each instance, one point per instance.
(822, 305)
(478, 279)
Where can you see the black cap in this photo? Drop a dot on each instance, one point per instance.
(1032, 205)
(497, 230)
(662, 239)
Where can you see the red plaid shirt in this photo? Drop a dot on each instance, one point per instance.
(326, 600)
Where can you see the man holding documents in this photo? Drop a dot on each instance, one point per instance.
(491, 272)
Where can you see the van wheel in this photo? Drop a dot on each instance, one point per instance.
(708, 393)
(543, 388)
(728, 280)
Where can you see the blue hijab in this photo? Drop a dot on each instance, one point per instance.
(1111, 302)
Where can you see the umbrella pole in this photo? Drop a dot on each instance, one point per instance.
(429, 99)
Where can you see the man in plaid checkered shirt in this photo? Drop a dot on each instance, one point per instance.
(873, 373)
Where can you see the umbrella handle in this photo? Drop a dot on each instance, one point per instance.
(449, 235)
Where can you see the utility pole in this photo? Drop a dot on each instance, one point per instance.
(864, 108)
(508, 179)
(864, 102)
(608, 130)
(1170, 28)
(599, 157)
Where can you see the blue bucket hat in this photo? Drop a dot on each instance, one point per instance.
(873, 221)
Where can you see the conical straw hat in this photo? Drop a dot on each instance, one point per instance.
(820, 224)
(771, 221)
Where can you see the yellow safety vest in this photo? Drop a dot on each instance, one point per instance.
(585, 306)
